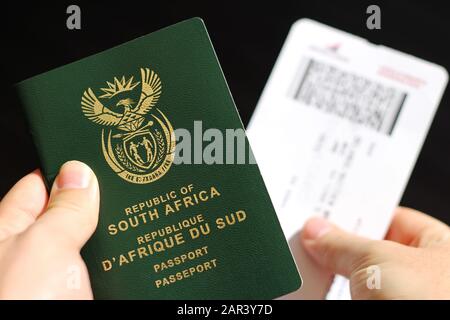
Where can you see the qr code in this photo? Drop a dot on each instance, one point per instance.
(347, 95)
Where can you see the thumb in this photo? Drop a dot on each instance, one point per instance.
(72, 212)
(336, 250)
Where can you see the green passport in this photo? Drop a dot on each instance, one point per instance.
(183, 214)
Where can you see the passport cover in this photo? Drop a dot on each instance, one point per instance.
(166, 230)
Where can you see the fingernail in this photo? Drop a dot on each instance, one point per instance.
(316, 228)
(73, 175)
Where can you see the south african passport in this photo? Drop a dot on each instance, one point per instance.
(184, 212)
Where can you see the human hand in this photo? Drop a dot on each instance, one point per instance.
(41, 237)
(414, 259)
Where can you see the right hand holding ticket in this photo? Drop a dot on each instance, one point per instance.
(413, 260)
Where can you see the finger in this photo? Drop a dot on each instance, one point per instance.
(334, 249)
(414, 228)
(72, 213)
(22, 204)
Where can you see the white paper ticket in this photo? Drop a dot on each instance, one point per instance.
(337, 132)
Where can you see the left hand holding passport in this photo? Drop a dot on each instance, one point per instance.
(41, 238)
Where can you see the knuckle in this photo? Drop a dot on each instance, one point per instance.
(437, 235)
(328, 249)
(360, 287)
(65, 204)
(76, 209)
(36, 235)
(371, 253)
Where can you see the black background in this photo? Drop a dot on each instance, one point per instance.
(247, 37)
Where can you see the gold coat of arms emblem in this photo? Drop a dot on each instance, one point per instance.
(137, 139)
